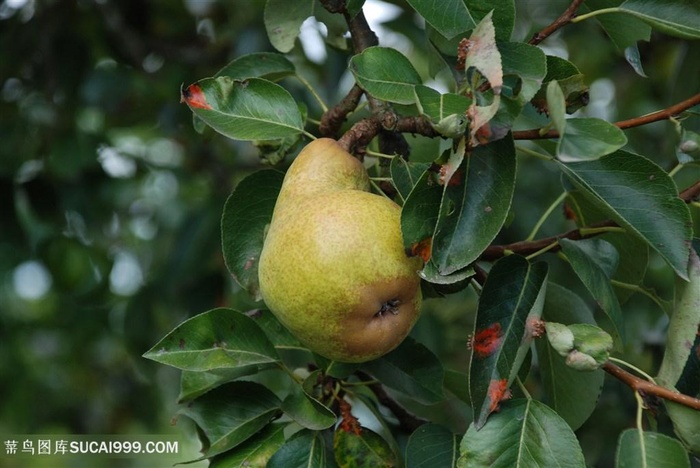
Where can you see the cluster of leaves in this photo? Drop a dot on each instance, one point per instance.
(626, 209)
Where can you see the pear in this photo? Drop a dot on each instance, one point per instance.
(333, 267)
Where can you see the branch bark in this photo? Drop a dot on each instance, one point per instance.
(663, 114)
(563, 20)
(644, 387)
(407, 421)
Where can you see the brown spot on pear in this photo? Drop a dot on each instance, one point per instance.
(333, 267)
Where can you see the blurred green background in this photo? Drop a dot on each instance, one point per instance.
(110, 201)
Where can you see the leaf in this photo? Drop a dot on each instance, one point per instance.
(686, 425)
(305, 449)
(306, 410)
(283, 20)
(253, 109)
(513, 296)
(588, 138)
(525, 433)
(683, 330)
(642, 198)
(449, 17)
(457, 383)
(232, 413)
(431, 446)
(364, 450)
(637, 448)
(420, 213)
(483, 55)
(623, 30)
(591, 260)
(633, 252)
(572, 394)
(194, 384)
(475, 204)
(411, 369)
(680, 18)
(503, 15)
(386, 74)
(247, 212)
(447, 111)
(278, 335)
(570, 80)
(528, 63)
(268, 65)
(405, 175)
(254, 452)
(217, 339)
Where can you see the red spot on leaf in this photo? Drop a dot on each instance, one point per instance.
(181, 343)
(483, 134)
(462, 52)
(248, 265)
(487, 340)
(194, 97)
(348, 423)
(497, 392)
(456, 178)
(422, 249)
(569, 213)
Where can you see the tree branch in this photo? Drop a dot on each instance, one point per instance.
(663, 114)
(563, 20)
(645, 388)
(494, 252)
(333, 119)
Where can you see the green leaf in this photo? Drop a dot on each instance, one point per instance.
(686, 425)
(268, 65)
(431, 446)
(570, 80)
(283, 21)
(420, 213)
(305, 449)
(252, 109)
(683, 328)
(503, 15)
(364, 450)
(232, 413)
(680, 18)
(594, 261)
(637, 448)
(633, 252)
(624, 31)
(254, 452)
(512, 295)
(475, 204)
(306, 410)
(642, 198)
(411, 369)
(449, 17)
(572, 394)
(447, 111)
(457, 383)
(405, 175)
(556, 106)
(528, 63)
(194, 384)
(386, 74)
(588, 138)
(277, 333)
(525, 433)
(247, 213)
(217, 339)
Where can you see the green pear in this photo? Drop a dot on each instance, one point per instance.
(333, 268)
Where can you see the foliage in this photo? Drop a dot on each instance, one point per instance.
(527, 318)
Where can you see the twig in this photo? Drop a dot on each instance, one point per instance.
(407, 421)
(691, 193)
(645, 388)
(332, 120)
(494, 252)
(663, 114)
(563, 20)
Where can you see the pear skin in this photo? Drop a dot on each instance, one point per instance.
(333, 268)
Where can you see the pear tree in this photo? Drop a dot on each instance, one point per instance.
(392, 200)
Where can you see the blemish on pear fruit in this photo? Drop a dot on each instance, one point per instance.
(333, 259)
